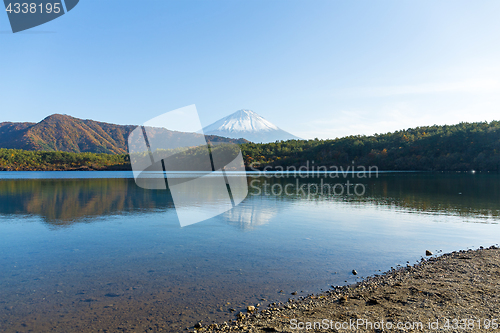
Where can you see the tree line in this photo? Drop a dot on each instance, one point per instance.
(462, 147)
(25, 160)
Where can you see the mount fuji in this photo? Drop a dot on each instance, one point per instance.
(248, 125)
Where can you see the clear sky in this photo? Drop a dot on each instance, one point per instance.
(317, 68)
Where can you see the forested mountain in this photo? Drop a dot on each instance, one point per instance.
(465, 146)
(68, 134)
(64, 133)
(462, 147)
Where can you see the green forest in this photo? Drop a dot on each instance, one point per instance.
(462, 147)
(25, 160)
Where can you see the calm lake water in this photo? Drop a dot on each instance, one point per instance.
(83, 251)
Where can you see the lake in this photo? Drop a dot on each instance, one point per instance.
(85, 251)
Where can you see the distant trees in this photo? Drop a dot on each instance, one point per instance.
(461, 147)
(24, 160)
(464, 147)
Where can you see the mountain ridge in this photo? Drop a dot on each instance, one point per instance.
(65, 133)
(460, 147)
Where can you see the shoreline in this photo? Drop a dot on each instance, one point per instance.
(452, 292)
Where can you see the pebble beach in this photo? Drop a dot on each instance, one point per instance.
(453, 292)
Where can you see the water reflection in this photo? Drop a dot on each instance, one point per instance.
(249, 216)
(452, 194)
(62, 202)
(135, 263)
(65, 201)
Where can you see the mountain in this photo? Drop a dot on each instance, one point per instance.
(65, 133)
(248, 125)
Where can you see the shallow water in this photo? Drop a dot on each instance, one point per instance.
(86, 253)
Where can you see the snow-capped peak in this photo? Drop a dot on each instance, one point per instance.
(248, 125)
(242, 121)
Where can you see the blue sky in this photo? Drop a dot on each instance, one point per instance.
(321, 69)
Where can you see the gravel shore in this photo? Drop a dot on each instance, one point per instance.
(455, 292)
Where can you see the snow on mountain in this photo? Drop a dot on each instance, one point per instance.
(248, 125)
(242, 121)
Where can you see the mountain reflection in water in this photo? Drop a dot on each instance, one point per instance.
(61, 202)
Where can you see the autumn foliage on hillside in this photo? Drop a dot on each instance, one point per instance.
(462, 147)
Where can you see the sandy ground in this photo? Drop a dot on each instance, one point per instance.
(456, 292)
